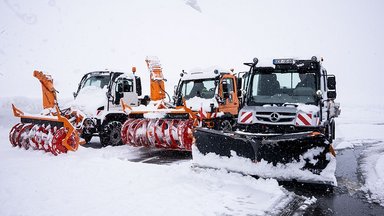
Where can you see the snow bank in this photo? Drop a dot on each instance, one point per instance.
(363, 126)
(267, 170)
(103, 182)
(372, 168)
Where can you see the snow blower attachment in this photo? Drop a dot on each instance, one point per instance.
(159, 132)
(157, 124)
(286, 121)
(52, 131)
(208, 99)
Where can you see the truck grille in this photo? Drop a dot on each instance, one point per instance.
(275, 117)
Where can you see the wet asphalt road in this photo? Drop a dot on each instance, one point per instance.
(345, 199)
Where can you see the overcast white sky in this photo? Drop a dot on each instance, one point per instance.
(69, 38)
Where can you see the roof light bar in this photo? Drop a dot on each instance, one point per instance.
(283, 61)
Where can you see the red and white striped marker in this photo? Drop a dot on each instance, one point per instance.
(304, 119)
(202, 113)
(246, 117)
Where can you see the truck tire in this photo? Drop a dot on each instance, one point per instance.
(111, 134)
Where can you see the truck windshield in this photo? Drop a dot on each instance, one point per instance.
(98, 81)
(198, 88)
(281, 87)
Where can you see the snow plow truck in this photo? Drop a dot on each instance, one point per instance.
(202, 98)
(285, 126)
(95, 111)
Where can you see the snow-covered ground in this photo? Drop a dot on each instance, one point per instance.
(101, 181)
(104, 182)
(363, 125)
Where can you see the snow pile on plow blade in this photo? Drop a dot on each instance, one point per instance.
(304, 157)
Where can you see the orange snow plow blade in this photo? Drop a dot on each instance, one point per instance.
(54, 134)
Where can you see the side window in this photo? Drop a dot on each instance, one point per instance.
(124, 85)
(255, 85)
(127, 85)
(228, 82)
(186, 89)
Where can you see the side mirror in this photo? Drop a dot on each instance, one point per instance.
(331, 82)
(239, 86)
(138, 85)
(331, 85)
(331, 94)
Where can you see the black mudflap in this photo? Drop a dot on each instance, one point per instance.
(275, 149)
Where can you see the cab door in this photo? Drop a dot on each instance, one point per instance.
(125, 89)
(228, 92)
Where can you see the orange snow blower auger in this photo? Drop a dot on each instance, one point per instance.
(165, 128)
(52, 132)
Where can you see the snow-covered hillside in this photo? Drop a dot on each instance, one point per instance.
(70, 38)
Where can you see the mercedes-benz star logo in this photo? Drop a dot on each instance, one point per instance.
(274, 117)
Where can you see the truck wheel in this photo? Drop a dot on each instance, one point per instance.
(111, 134)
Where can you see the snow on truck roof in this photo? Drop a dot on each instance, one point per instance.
(203, 73)
(107, 72)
